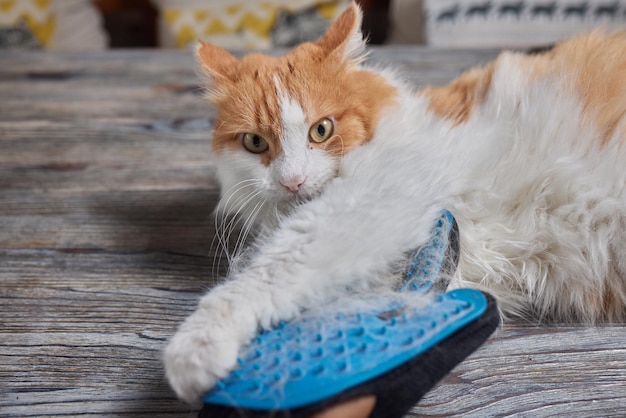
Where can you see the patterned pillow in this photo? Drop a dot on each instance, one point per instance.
(53, 24)
(245, 24)
(517, 23)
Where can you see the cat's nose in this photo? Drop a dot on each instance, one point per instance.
(293, 184)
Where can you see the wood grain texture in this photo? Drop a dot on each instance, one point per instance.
(107, 186)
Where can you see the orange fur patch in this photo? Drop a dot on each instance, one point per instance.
(457, 100)
(595, 64)
(318, 75)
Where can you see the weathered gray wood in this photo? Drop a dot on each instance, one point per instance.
(538, 372)
(106, 242)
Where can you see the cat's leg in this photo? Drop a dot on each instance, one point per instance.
(350, 236)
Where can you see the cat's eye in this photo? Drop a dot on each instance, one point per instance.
(321, 130)
(254, 143)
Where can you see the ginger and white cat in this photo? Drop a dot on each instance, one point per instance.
(346, 168)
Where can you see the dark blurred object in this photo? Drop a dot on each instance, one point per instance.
(18, 37)
(129, 23)
(375, 20)
(535, 50)
(290, 29)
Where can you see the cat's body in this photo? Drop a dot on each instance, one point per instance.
(347, 169)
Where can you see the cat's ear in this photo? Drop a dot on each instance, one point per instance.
(216, 62)
(344, 37)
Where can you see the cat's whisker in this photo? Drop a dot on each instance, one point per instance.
(247, 227)
(222, 227)
(243, 234)
(225, 228)
(278, 215)
(236, 218)
(226, 202)
(241, 203)
(217, 253)
(224, 232)
(222, 245)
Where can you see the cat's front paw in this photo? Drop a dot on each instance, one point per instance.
(200, 353)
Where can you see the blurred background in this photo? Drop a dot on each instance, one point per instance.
(72, 25)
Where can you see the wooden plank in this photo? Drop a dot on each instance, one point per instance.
(107, 241)
(82, 331)
(537, 371)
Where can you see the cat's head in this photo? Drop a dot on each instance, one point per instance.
(283, 123)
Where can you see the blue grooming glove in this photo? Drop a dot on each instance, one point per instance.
(396, 351)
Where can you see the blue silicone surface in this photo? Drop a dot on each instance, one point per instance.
(426, 262)
(313, 358)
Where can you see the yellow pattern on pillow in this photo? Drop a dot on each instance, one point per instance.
(241, 25)
(35, 14)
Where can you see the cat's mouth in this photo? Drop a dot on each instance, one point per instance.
(308, 193)
(287, 200)
(298, 198)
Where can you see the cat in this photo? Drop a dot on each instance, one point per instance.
(344, 169)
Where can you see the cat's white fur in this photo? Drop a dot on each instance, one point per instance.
(542, 216)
